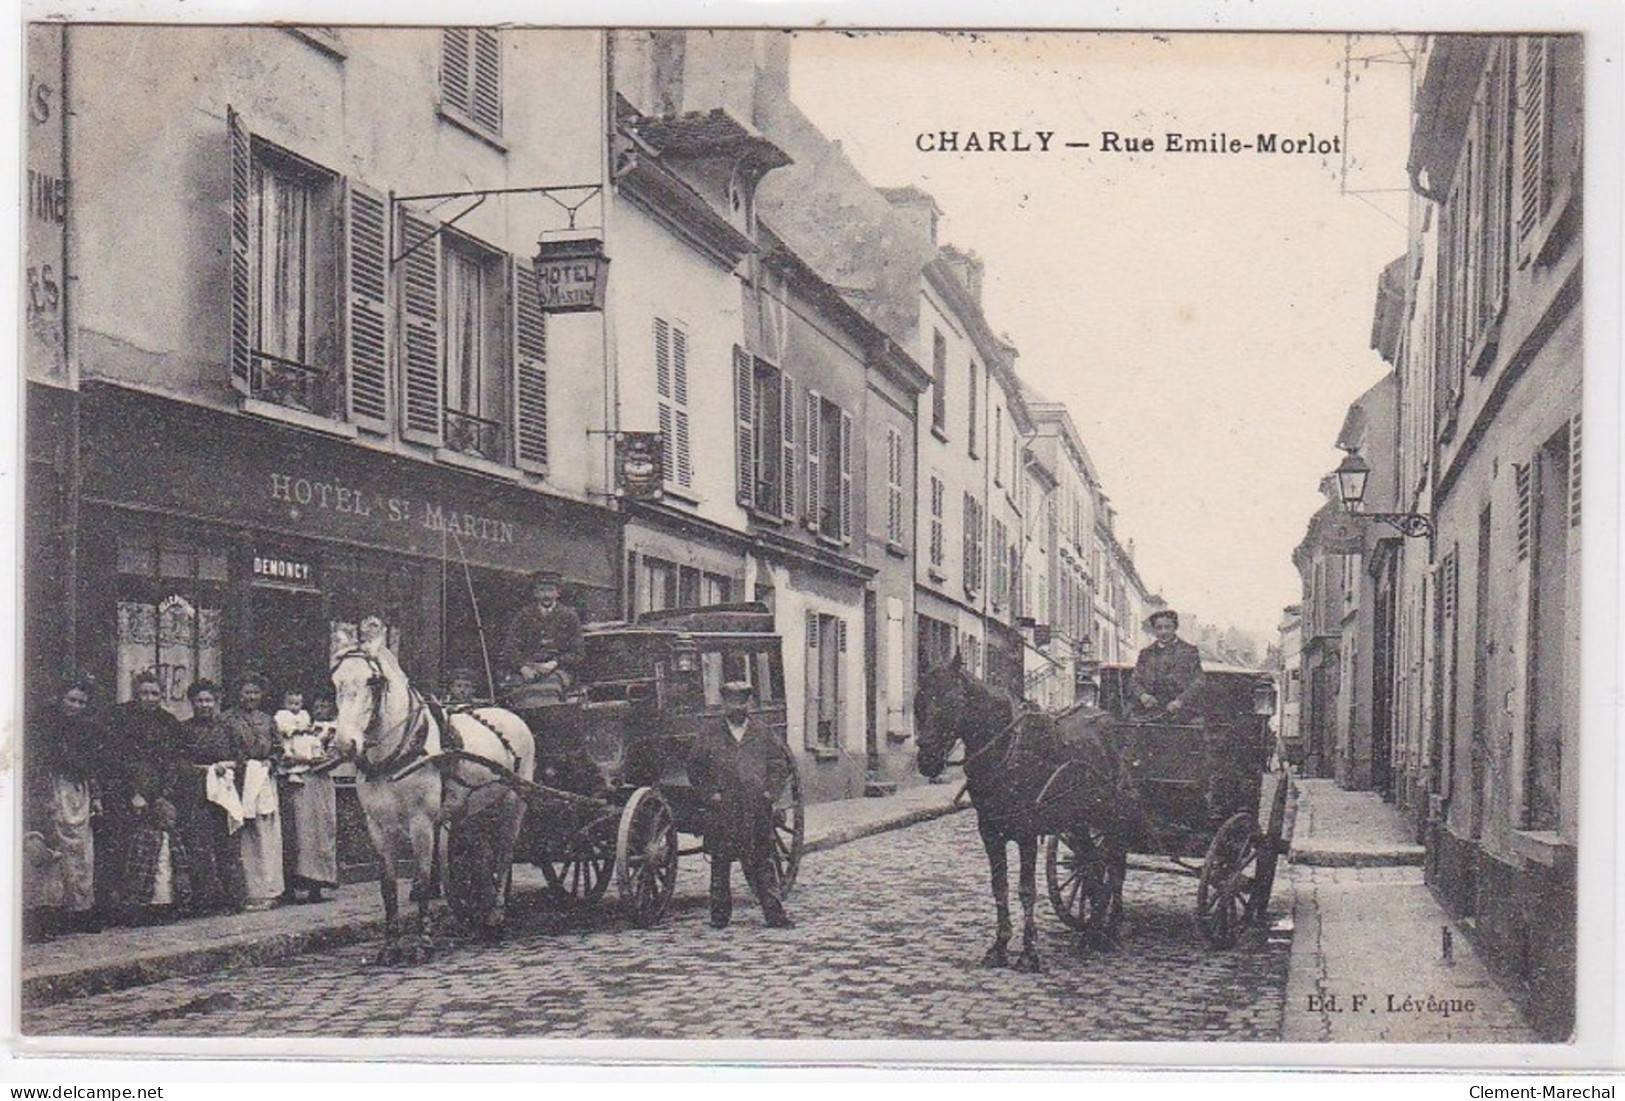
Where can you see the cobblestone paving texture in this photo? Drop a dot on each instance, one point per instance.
(889, 933)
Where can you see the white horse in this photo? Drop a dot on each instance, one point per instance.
(410, 781)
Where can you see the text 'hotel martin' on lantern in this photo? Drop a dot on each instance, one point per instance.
(571, 273)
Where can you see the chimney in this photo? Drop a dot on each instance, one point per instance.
(915, 208)
(968, 267)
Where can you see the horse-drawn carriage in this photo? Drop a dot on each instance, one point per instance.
(1096, 783)
(589, 786)
(1189, 793)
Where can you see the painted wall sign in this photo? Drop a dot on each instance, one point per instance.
(46, 207)
(283, 571)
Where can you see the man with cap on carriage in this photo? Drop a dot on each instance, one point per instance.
(1168, 674)
(543, 647)
(738, 767)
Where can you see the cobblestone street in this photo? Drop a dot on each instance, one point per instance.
(889, 933)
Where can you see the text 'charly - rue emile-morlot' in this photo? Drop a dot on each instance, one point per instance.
(1214, 142)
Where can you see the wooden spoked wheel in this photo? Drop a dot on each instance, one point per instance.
(580, 879)
(1228, 884)
(1085, 881)
(789, 832)
(646, 857)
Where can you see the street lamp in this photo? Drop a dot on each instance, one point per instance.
(1352, 474)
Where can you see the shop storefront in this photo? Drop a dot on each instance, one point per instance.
(211, 544)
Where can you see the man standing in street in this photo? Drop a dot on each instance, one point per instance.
(1168, 674)
(543, 645)
(739, 767)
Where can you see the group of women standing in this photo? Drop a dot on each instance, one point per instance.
(134, 816)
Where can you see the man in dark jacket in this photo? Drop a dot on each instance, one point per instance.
(1169, 672)
(738, 767)
(543, 643)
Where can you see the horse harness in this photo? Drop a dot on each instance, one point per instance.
(412, 753)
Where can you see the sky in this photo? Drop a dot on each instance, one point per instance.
(1206, 318)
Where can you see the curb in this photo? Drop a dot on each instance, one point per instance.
(39, 991)
(855, 833)
(1393, 856)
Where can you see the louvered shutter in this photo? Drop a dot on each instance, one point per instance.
(1522, 484)
(420, 301)
(668, 434)
(1574, 471)
(530, 371)
(815, 458)
(787, 436)
(846, 476)
(241, 354)
(744, 427)
(455, 62)
(679, 393)
(1535, 134)
(813, 704)
(366, 260)
(486, 91)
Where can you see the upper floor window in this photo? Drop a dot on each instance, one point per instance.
(471, 78)
(975, 544)
(894, 487)
(998, 445)
(829, 469)
(764, 398)
(970, 438)
(476, 360)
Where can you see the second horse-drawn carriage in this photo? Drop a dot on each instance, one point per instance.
(1101, 781)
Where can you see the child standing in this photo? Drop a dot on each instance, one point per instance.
(311, 844)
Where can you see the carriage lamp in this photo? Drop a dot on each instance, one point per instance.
(1264, 698)
(1087, 692)
(685, 656)
(1352, 474)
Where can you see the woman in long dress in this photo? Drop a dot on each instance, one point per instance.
(260, 839)
(59, 840)
(208, 803)
(310, 805)
(156, 883)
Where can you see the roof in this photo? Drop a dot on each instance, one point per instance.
(707, 133)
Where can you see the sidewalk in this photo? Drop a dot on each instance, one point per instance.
(92, 963)
(1368, 962)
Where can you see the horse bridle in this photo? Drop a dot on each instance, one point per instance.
(399, 763)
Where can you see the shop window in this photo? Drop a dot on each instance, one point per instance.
(471, 78)
(169, 608)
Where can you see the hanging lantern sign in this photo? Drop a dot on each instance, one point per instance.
(640, 465)
(571, 274)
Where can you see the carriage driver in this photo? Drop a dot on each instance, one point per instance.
(1168, 674)
(739, 766)
(543, 644)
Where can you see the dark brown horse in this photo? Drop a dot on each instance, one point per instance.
(1027, 774)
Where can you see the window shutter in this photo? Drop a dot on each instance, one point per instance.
(787, 431)
(894, 486)
(1574, 471)
(815, 445)
(1521, 482)
(454, 69)
(486, 90)
(679, 393)
(745, 426)
(840, 635)
(420, 276)
(241, 352)
(846, 476)
(366, 257)
(1533, 193)
(668, 434)
(530, 371)
(809, 734)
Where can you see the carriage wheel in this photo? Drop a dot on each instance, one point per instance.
(646, 857)
(473, 883)
(1270, 846)
(1085, 881)
(582, 878)
(1229, 880)
(789, 832)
